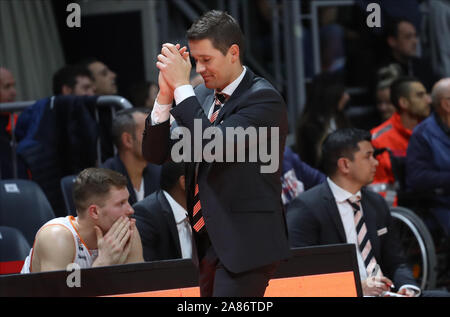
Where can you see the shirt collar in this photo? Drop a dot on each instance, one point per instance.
(228, 90)
(340, 194)
(179, 213)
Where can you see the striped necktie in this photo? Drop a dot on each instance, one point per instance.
(363, 238)
(198, 221)
(219, 100)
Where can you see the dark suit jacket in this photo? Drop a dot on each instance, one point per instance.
(151, 177)
(313, 219)
(241, 206)
(157, 228)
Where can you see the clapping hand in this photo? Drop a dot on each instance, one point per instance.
(174, 65)
(165, 95)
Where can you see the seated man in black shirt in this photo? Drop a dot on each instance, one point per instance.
(143, 177)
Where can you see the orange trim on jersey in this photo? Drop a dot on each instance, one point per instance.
(71, 219)
(34, 243)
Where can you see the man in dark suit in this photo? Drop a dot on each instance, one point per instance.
(341, 210)
(162, 219)
(235, 208)
(142, 176)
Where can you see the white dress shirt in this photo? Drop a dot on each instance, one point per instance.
(348, 220)
(183, 226)
(141, 192)
(346, 213)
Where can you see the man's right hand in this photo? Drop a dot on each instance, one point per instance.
(165, 95)
(376, 285)
(111, 246)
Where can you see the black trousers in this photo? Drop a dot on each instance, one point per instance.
(215, 280)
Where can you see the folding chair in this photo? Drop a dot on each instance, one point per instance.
(24, 206)
(14, 248)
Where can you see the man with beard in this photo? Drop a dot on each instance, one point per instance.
(412, 103)
(143, 177)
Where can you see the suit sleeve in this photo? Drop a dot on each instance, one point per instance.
(393, 257)
(156, 142)
(303, 227)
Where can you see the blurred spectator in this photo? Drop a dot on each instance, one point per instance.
(73, 80)
(412, 105)
(105, 84)
(402, 40)
(332, 43)
(104, 78)
(7, 86)
(7, 94)
(332, 38)
(439, 28)
(143, 94)
(297, 176)
(324, 113)
(428, 155)
(386, 76)
(143, 177)
(162, 219)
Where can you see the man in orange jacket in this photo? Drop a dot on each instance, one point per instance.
(7, 94)
(412, 104)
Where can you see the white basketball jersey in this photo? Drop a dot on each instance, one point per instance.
(83, 256)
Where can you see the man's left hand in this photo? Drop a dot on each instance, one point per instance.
(407, 292)
(174, 65)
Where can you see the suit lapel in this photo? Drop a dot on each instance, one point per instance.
(168, 214)
(232, 103)
(333, 212)
(207, 104)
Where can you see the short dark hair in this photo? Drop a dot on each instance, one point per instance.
(67, 75)
(92, 185)
(170, 174)
(392, 27)
(124, 122)
(221, 28)
(85, 62)
(401, 87)
(341, 143)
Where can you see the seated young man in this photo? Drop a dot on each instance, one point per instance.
(102, 233)
(343, 210)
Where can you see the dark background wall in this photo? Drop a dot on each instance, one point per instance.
(115, 39)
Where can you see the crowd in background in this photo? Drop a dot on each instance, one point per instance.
(411, 137)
